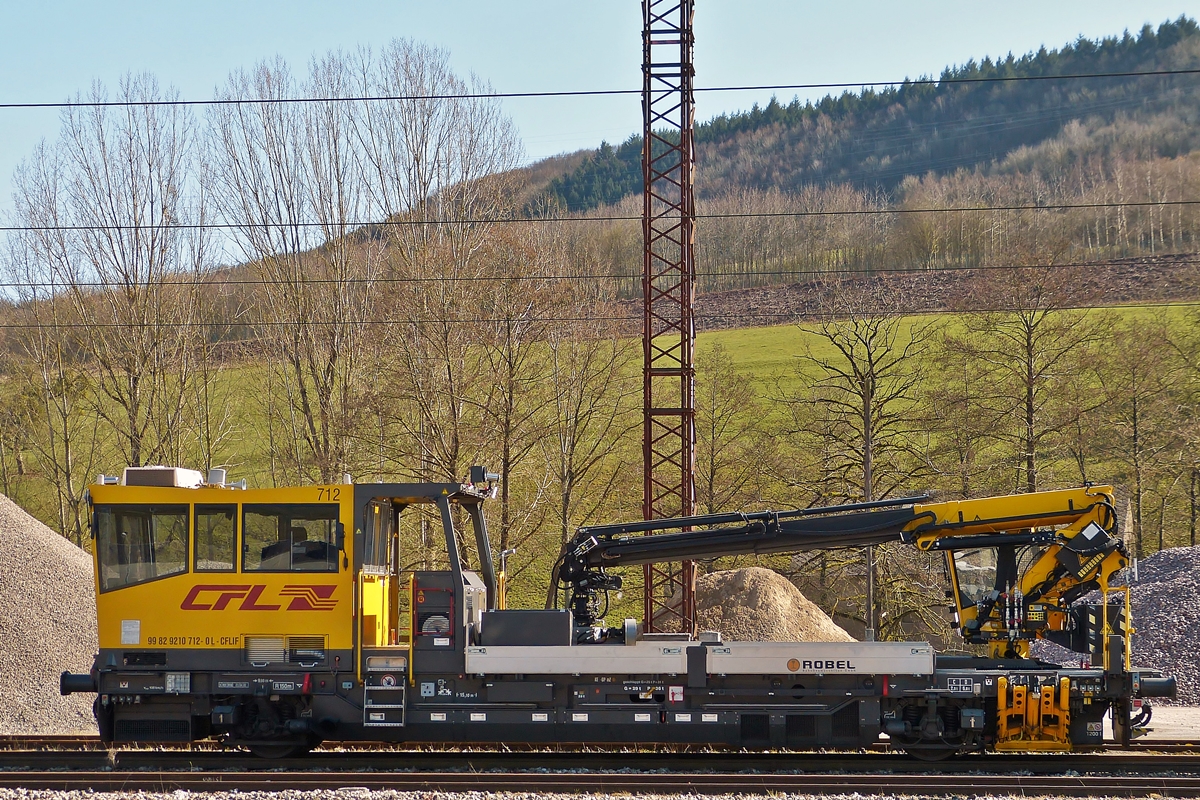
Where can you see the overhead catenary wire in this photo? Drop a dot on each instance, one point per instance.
(598, 92)
(352, 226)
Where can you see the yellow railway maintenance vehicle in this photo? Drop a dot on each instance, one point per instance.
(276, 618)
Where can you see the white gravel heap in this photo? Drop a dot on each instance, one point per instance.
(1165, 602)
(47, 625)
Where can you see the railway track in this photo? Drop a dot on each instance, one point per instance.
(693, 783)
(448, 761)
(85, 742)
(1164, 768)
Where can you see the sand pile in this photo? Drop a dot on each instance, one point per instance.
(47, 625)
(760, 605)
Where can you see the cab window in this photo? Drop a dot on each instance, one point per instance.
(215, 538)
(377, 536)
(976, 571)
(289, 537)
(140, 543)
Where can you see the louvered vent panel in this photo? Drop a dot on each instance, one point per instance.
(306, 649)
(266, 650)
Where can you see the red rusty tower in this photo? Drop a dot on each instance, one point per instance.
(668, 289)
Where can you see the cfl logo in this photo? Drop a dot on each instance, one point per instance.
(304, 597)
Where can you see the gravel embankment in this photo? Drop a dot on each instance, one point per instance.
(1165, 602)
(47, 625)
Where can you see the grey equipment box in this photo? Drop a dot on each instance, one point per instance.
(526, 627)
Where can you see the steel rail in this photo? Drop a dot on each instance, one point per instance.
(593, 762)
(30, 742)
(641, 783)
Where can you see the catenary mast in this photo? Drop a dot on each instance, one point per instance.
(668, 287)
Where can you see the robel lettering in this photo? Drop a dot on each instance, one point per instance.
(219, 597)
(818, 665)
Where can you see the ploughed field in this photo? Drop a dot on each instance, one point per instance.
(1147, 279)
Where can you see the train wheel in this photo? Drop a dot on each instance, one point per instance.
(276, 750)
(931, 753)
(105, 723)
(1122, 711)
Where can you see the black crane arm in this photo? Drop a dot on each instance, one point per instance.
(759, 536)
(582, 565)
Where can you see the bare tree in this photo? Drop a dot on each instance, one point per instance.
(437, 166)
(1185, 343)
(1138, 376)
(525, 294)
(593, 393)
(289, 177)
(111, 206)
(438, 155)
(1023, 334)
(957, 425)
(54, 395)
(213, 401)
(864, 372)
(865, 375)
(734, 454)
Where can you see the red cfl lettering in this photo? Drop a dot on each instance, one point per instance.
(249, 596)
(217, 597)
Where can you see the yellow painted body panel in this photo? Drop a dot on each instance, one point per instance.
(375, 622)
(217, 609)
(1006, 513)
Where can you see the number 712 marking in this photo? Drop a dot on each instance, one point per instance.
(329, 494)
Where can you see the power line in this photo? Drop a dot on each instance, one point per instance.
(356, 225)
(795, 315)
(212, 281)
(595, 92)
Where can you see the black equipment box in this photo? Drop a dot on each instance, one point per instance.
(526, 628)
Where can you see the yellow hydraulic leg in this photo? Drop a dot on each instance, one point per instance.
(1038, 720)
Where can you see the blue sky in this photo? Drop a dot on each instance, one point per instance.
(51, 49)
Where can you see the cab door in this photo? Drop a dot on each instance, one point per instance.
(375, 578)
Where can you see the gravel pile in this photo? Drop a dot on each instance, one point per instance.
(1165, 604)
(754, 604)
(47, 625)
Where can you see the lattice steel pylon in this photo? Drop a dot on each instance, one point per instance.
(668, 288)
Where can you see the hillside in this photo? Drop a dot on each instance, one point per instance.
(876, 139)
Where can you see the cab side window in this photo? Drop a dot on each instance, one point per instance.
(140, 543)
(377, 536)
(215, 538)
(290, 537)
